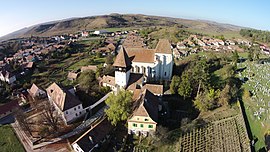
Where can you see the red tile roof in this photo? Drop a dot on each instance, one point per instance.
(163, 46)
(8, 106)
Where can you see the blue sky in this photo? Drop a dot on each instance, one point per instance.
(17, 14)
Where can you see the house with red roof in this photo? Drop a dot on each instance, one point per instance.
(8, 108)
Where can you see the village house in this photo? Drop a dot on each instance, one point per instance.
(133, 41)
(7, 76)
(89, 67)
(156, 89)
(229, 42)
(145, 115)
(28, 65)
(8, 108)
(180, 45)
(176, 53)
(72, 75)
(35, 92)
(100, 32)
(68, 106)
(92, 138)
(110, 48)
(84, 34)
(200, 43)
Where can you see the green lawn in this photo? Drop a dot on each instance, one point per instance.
(227, 34)
(8, 140)
(119, 29)
(86, 62)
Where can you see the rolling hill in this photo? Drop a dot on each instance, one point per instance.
(118, 20)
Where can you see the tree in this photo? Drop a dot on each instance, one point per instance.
(185, 88)
(229, 71)
(225, 96)
(119, 106)
(67, 55)
(21, 118)
(235, 58)
(50, 118)
(256, 52)
(98, 54)
(175, 84)
(206, 100)
(250, 55)
(87, 80)
(109, 59)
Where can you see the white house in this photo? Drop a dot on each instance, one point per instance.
(100, 32)
(66, 104)
(7, 76)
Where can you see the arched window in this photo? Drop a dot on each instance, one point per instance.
(143, 70)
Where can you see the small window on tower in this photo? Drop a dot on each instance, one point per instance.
(165, 73)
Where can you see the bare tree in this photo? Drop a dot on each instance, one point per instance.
(21, 118)
(50, 118)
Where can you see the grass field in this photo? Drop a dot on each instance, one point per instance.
(85, 62)
(226, 34)
(119, 29)
(8, 140)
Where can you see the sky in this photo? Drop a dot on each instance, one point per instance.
(17, 14)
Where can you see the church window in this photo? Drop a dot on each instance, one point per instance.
(138, 70)
(144, 69)
(165, 74)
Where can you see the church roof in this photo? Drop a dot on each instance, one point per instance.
(141, 55)
(122, 59)
(163, 46)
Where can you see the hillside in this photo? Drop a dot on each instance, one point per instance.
(118, 20)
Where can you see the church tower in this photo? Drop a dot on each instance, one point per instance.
(122, 65)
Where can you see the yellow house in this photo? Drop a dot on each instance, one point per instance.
(145, 116)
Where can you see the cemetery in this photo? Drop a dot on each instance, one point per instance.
(256, 79)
